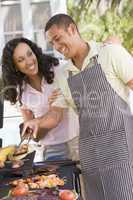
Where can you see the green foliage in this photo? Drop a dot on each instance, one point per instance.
(92, 25)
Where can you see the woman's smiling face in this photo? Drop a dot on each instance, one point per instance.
(25, 60)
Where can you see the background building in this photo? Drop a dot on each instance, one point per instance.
(27, 18)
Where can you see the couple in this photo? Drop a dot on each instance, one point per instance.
(99, 77)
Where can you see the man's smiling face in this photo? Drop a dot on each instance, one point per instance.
(62, 39)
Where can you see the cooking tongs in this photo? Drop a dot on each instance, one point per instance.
(29, 131)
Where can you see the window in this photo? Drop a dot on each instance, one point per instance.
(12, 21)
(41, 12)
(8, 2)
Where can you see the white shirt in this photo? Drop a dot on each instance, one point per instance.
(37, 102)
(116, 63)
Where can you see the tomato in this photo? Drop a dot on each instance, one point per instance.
(67, 195)
(19, 190)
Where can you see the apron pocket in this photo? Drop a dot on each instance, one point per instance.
(103, 149)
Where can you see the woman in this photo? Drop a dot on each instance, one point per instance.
(28, 77)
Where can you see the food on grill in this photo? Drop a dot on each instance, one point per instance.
(20, 190)
(45, 194)
(21, 150)
(40, 181)
(41, 187)
(14, 154)
(67, 195)
(17, 182)
(22, 193)
(4, 152)
(17, 163)
(49, 194)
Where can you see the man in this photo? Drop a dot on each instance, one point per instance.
(100, 78)
(98, 92)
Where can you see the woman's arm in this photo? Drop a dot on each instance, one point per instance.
(41, 125)
(26, 113)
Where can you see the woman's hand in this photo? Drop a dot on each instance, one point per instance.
(30, 127)
(26, 113)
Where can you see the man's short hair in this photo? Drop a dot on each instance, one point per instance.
(60, 20)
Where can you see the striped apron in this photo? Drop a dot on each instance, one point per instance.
(106, 136)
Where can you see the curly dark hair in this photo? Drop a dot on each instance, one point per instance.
(13, 79)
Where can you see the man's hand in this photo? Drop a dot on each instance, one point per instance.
(53, 96)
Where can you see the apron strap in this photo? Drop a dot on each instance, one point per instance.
(93, 60)
(70, 74)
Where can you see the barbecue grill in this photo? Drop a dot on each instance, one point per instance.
(65, 169)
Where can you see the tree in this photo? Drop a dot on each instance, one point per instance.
(97, 19)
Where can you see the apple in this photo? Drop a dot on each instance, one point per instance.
(67, 195)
